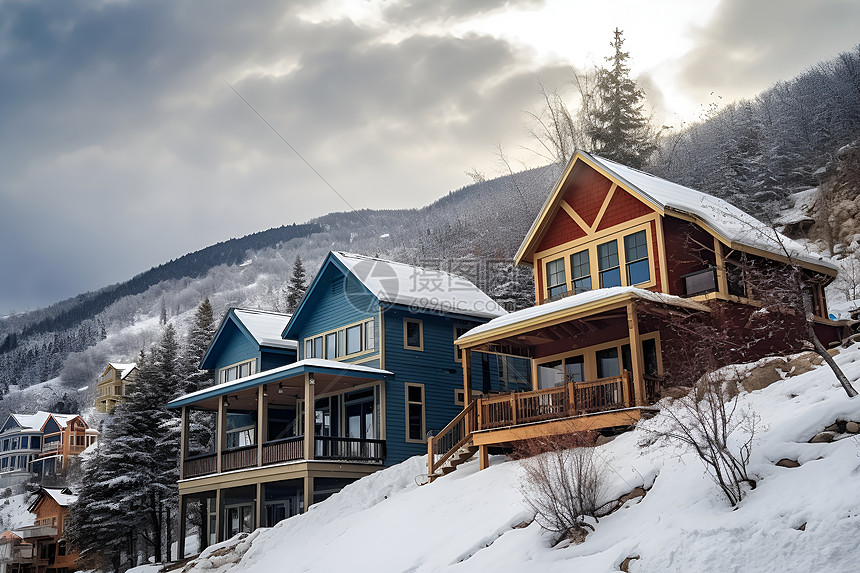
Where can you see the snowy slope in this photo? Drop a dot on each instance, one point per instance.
(797, 519)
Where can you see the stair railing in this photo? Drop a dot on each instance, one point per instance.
(454, 436)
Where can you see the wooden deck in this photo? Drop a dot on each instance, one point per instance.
(505, 418)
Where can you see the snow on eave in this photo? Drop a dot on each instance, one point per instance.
(266, 327)
(596, 299)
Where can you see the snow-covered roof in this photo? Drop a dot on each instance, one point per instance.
(286, 371)
(37, 420)
(63, 499)
(730, 223)
(123, 368)
(603, 295)
(266, 327)
(419, 288)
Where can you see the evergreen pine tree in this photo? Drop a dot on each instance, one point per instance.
(199, 338)
(297, 287)
(617, 125)
(514, 289)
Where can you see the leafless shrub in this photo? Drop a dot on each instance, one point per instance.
(711, 422)
(563, 484)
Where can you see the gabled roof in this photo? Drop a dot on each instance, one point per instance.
(411, 286)
(64, 497)
(262, 326)
(734, 227)
(38, 420)
(595, 300)
(123, 369)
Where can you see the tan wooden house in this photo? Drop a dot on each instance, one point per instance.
(617, 254)
(113, 384)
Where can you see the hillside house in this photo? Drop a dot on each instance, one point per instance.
(50, 552)
(112, 385)
(15, 553)
(375, 359)
(40, 444)
(618, 257)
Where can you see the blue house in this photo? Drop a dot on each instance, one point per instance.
(374, 354)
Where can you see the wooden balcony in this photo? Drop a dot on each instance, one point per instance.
(505, 418)
(286, 450)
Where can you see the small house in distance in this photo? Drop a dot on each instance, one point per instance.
(619, 257)
(375, 372)
(112, 385)
(50, 551)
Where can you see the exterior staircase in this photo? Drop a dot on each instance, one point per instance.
(453, 445)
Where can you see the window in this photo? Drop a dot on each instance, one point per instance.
(353, 339)
(235, 371)
(313, 347)
(580, 272)
(413, 336)
(415, 431)
(574, 369)
(607, 363)
(459, 330)
(25, 442)
(607, 264)
(700, 282)
(555, 281)
(636, 258)
(35, 442)
(369, 335)
(241, 429)
(331, 346)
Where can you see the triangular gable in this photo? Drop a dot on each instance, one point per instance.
(11, 422)
(229, 325)
(51, 426)
(330, 267)
(586, 199)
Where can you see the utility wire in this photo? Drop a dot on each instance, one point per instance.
(296, 151)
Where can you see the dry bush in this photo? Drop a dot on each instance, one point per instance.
(563, 484)
(709, 420)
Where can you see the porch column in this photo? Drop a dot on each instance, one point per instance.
(483, 456)
(258, 506)
(722, 280)
(310, 414)
(262, 397)
(219, 537)
(308, 492)
(220, 432)
(467, 376)
(183, 444)
(636, 356)
(183, 510)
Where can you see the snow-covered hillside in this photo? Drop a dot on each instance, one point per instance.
(797, 519)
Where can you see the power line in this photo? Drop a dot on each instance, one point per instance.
(296, 151)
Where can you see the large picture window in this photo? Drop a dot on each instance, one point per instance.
(636, 258)
(345, 341)
(232, 372)
(555, 280)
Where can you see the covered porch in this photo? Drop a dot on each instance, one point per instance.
(595, 361)
(265, 447)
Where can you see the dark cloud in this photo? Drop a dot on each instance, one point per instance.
(121, 147)
(749, 45)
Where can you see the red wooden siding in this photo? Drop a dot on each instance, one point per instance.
(623, 207)
(586, 191)
(563, 229)
(655, 253)
(684, 253)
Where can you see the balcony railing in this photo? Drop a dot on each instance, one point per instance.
(200, 465)
(34, 531)
(349, 449)
(559, 402)
(283, 450)
(239, 458)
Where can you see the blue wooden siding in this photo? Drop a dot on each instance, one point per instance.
(234, 346)
(273, 359)
(335, 302)
(434, 367)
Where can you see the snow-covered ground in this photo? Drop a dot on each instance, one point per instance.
(796, 519)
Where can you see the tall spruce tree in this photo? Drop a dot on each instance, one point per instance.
(617, 124)
(297, 287)
(514, 289)
(197, 343)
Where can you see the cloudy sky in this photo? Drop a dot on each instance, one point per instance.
(121, 145)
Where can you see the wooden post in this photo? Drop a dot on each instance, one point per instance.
(571, 399)
(261, 423)
(722, 278)
(219, 536)
(467, 376)
(183, 444)
(183, 510)
(258, 505)
(309, 491)
(221, 433)
(636, 357)
(431, 458)
(484, 458)
(479, 412)
(514, 408)
(310, 415)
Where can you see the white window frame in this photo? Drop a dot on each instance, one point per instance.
(252, 369)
